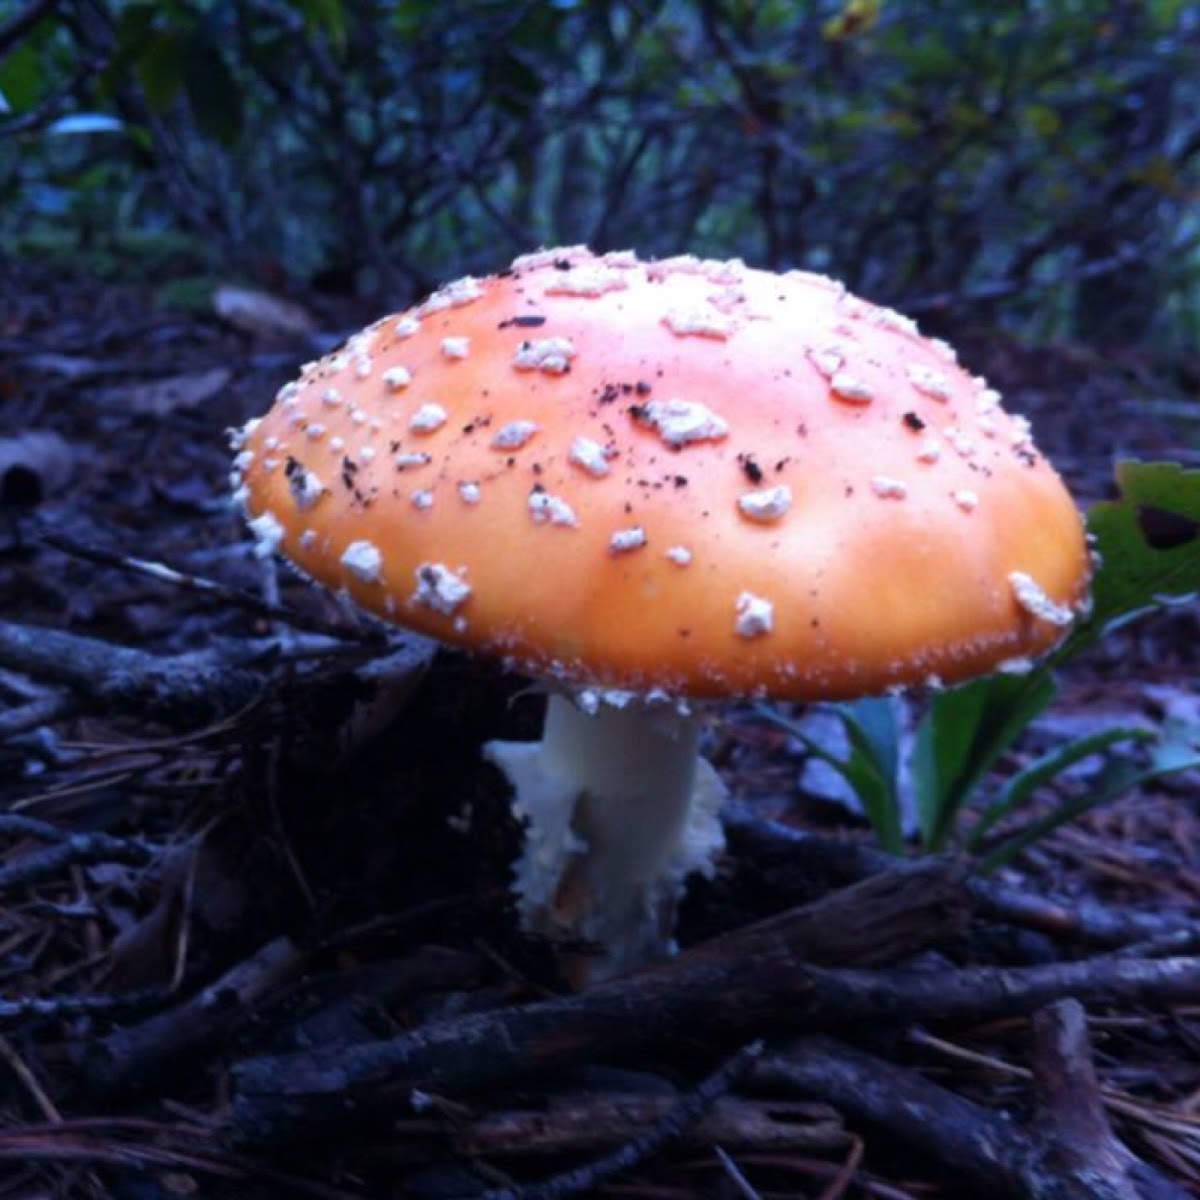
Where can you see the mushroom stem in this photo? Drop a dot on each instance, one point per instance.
(620, 808)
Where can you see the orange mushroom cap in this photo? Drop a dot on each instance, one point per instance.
(679, 476)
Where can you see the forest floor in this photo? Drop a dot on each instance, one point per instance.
(212, 867)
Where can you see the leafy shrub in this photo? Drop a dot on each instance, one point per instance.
(1036, 159)
(1148, 542)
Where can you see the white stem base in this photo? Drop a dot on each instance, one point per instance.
(620, 809)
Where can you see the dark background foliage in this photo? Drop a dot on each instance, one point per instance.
(1035, 163)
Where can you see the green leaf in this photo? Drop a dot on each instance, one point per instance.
(160, 69)
(870, 767)
(1148, 540)
(134, 37)
(512, 83)
(21, 78)
(1167, 13)
(410, 17)
(134, 25)
(871, 726)
(963, 733)
(212, 91)
(327, 15)
(1042, 119)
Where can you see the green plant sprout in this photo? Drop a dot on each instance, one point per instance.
(1148, 544)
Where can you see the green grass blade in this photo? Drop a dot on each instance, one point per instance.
(1022, 785)
(1178, 751)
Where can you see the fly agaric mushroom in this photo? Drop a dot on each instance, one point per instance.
(649, 483)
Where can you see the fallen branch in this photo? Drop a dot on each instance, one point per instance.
(798, 862)
(17, 1013)
(177, 689)
(336, 1007)
(987, 1153)
(702, 997)
(75, 850)
(1069, 1154)
(65, 850)
(736, 986)
(137, 1056)
(210, 587)
(1085, 921)
(208, 686)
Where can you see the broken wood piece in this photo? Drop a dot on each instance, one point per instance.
(588, 1122)
(1072, 1122)
(1068, 1153)
(670, 1126)
(995, 1158)
(136, 1056)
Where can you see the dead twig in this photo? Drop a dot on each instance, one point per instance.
(683, 1114)
(182, 688)
(54, 706)
(1085, 921)
(79, 849)
(846, 1172)
(209, 587)
(578, 1123)
(997, 289)
(803, 858)
(29, 1082)
(736, 1177)
(71, 1007)
(135, 1056)
(68, 850)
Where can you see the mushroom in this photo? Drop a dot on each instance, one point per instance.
(654, 483)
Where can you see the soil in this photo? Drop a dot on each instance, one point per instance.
(315, 864)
